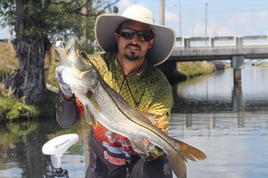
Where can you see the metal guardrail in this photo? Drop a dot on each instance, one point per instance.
(221, 41)
(220, 47)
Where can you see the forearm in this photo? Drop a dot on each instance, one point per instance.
(67, 113)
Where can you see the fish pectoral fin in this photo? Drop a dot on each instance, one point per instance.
(89, 117)
(87, 112)
(95, 103)
(139, 147)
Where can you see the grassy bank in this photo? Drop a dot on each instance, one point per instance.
(192, 69)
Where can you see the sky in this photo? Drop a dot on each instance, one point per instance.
(200, 17)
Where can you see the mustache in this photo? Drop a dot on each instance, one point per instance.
(134, 45)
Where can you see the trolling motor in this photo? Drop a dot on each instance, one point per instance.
(55, 148)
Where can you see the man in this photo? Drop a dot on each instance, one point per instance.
(133, 46)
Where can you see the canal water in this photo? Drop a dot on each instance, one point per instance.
(228, 122)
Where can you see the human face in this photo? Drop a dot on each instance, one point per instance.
(134, 47)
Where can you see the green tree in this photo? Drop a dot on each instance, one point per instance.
(36, 23)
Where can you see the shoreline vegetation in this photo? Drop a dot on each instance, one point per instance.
(13, 110)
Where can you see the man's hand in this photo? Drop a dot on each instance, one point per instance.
(153, 151)
(66, 90)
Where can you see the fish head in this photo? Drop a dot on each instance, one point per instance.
(72, 56)
(80, 74)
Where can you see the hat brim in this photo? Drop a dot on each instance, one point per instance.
(164, 41)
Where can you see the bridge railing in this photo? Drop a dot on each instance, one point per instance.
(221, 41)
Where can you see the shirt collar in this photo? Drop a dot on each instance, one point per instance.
(135, 74)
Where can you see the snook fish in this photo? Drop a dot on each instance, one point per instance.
(112, 111)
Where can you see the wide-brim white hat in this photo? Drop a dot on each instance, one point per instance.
(164, 41)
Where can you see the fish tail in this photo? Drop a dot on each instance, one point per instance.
(177, 163)
(180, 154)
(189, 152)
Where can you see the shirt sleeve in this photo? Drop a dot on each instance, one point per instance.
(80, 108)
(67, 112)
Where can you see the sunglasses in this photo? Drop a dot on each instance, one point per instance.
(128, 33)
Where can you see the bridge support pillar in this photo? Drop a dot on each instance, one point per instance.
(169, 68)
(237, 61)
(237, 97)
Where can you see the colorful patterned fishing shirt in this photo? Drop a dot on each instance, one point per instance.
(147, 90)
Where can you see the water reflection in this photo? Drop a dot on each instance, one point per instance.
(21, 149)
(217, 92)
(236, 145)
(231, 127)
(228, 123)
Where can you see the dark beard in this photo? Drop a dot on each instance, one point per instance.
(131, 57)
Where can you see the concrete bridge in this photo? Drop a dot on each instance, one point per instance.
(234, 48)
(220, 48)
